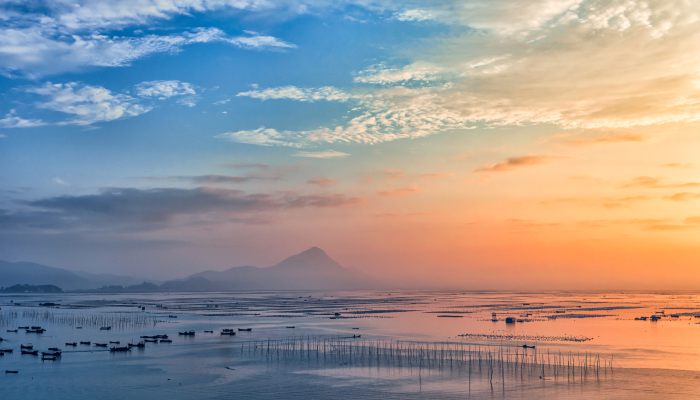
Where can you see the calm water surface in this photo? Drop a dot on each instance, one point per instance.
(410, 345)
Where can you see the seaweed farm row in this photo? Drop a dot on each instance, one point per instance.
(80, 319)
(496, 363)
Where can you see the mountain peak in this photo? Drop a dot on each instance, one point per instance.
(313, 258)
(313, 251)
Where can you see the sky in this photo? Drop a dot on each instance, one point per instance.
(476, 144)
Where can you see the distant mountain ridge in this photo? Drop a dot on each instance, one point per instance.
(312, 269)
(29, 273)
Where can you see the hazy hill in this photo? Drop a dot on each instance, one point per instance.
(28, 273)
(310, 269)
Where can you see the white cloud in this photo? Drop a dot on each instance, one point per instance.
(57, 180)
(264, 137)
(257, 41)
(12, 120)
(323, 154)
(87, 104)
(163, 89)
(382, 75)
(325, 93)
(39, 51)
(414, 14)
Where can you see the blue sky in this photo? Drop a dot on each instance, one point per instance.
(162, 138)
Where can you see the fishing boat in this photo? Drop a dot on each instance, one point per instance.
(245, 329)
(26, 346)
(30, 352)
(166, 341)
(72, 344)
(86, 343)
(100, 344)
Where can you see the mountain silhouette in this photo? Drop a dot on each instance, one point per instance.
(310, 269)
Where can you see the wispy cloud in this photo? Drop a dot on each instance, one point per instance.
(38, 51)
(515, 162)
(87, 104)
(147, 209)
(651, 182)
(12, 120)
(321, 181)
(684, 196)
(323, 154)
(414, 14)
(398, 191)
(214, 179)
(381, 74)
(165, 89)
(263, 136)
(586, 139)
(325, 93)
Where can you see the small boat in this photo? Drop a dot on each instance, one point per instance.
(172, 316)
(356, 336)
(186, 333)
(86, 343)
(30, 352)
(78, 327)
(36, 330)
(100, 344)
(114, 342)
(3, 351)
(229, 332)
(26, 346)
(654, 318)
(35, 327)
(49, 358)
(11, 371)
(290, 327)
(166, 341)
(22, 327)
(118, 349)
(105, 328)
(208, 331)
(12, 331)
(510, 320)
(147, 337)
(245, 329)
(151, 340)
(51, 353)
(528, 347)
(494, 318)
(54, 349)
(72, 344)
(139, 345)
(160, 337)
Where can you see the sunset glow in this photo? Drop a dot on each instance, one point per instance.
(471, 145)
